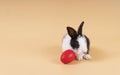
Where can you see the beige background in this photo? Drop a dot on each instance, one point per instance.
(31, 32)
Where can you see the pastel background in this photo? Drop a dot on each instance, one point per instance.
(31, 32)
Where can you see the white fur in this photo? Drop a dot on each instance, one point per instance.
(81, 51)
(66, 43)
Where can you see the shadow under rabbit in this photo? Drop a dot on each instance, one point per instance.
(53, 53)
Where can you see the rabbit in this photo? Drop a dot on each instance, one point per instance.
(77, 42)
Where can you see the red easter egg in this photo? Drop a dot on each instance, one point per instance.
(67, 56)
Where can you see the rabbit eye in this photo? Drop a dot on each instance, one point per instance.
(74, 44)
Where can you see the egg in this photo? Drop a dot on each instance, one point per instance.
(67, 56)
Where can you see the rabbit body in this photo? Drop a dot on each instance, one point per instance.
(77, 42)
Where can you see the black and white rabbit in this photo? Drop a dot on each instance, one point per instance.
(77, 42)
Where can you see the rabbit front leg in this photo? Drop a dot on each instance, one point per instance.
(79, 55)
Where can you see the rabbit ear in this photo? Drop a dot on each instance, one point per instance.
(71, 32)
(80, 28)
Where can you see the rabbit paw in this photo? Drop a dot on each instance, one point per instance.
(87, 57)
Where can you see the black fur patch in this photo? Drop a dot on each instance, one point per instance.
(80, 28)
(74, 43)
(88, 44)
